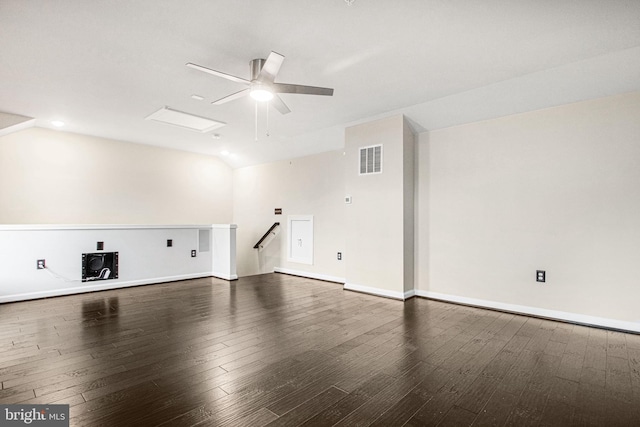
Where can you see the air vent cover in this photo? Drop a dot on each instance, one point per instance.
(371, 159)
(184, 120)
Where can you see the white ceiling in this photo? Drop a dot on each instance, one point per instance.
(103, 66)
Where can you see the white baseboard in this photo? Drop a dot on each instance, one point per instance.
(103, 286)
(410, 294)
(581, 319)
(318, 276)
(225, 276)
(379, 292)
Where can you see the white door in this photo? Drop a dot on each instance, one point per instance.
(301, 238)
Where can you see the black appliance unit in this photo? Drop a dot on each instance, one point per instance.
(99, 266)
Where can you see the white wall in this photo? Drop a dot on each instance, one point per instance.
(556, 190)
(144, 257)
(312, 185)
(53, 177)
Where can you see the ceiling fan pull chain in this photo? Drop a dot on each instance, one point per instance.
(267, 119)
(256, 123)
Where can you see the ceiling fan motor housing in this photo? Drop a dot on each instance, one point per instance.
(256, 65)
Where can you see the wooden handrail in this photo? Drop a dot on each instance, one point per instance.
(273, 227)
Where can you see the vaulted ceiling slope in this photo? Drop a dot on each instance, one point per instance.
(102, 67)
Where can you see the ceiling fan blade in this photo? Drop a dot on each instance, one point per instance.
(279, 105)
(304, 90)
(271, 67)
(217, 73)
(231, 97)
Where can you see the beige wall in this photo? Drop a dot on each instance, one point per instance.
(421, 212)
(312, 185)
(408, 195)
(556, 190)
(54, 177)
(375, 221)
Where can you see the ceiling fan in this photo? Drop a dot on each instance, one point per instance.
(262, 86)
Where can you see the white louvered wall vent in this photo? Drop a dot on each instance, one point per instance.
(371, 159)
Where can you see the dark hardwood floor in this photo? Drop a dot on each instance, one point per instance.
(280, 350)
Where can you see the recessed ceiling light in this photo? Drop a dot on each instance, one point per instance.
(197, 97)
(57, 123)
(215, 136)
(224, 152)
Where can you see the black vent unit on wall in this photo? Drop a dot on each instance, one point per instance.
(99, 266)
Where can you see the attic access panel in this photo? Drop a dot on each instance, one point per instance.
(99, 266)
(185, 120)
(300, 239)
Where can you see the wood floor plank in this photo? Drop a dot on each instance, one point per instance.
(632, 341)
(616, 345)
(476, 397)
(634, 367)
(9, 396)
(259, 418)
(406, 407)
(618, 380)
(529, 409)
(591, 404)
(339, 410)
(309, 409)
(308, 391)
(479, 361)
(282, 350)
(570, 367)
(386, 398)
(436, 408)
(557, 413)
(457, 417)
(497, 409)
(564, 391)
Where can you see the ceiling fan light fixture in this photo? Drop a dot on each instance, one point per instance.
(261, 94)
